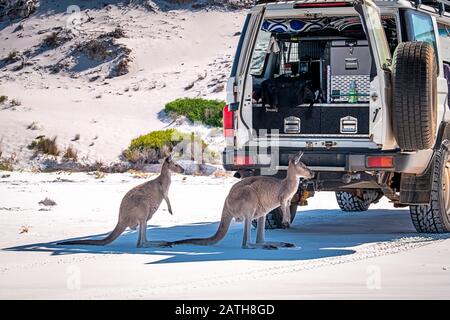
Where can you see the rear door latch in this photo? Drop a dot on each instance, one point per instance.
(291, 125)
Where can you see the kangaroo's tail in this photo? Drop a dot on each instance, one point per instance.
(219, 235)
(102, 242)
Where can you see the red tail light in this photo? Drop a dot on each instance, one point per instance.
(322, 5)
(380, 162)
(241, 160)
(228, 122)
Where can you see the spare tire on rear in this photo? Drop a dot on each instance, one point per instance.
(414, 97)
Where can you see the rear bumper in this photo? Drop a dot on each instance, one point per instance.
(343, 160)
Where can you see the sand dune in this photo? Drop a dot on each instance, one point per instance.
(170, 50)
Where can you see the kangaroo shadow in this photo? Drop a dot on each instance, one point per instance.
(316, 233)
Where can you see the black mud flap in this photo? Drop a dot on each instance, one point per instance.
(416, 189)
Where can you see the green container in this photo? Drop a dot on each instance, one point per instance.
(353, 93)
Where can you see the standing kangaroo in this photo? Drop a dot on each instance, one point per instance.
(254, 197)
(138, 206)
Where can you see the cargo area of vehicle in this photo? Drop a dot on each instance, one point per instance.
(312, 77)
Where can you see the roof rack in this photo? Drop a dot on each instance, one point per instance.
(441, 6)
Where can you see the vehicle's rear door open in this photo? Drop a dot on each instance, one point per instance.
(371, 20)
(381, 86)
(239, 87)
(243, 83)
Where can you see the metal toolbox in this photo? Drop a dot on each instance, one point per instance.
(321, 120)
(350, 63)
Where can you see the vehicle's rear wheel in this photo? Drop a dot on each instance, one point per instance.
(414, 95)
(435, 217)
(275, 217)
(352, 203)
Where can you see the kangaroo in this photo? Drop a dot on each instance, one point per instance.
(138, 206)
(254, 197)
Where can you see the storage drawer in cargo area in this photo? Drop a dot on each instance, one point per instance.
(319, 120)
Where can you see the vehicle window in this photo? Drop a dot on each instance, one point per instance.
(259, 53)
(444, 35)
(380, 36)
(420, 28)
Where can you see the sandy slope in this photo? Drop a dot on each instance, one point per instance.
(170, 49)
(339, 255)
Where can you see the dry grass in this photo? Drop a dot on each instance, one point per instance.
(99, 174)
(220, 174)
(24, 229)
(58, 38)
(117, 33)
(51, 40)
(47, 202)
(138, 174)
(33, 126)
(7, 164)
(45, 145)
(12, 56)
(122, 67)
(96, 50)
(15, 103)
(71, 153)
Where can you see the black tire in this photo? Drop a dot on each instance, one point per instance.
(414, 95)
(351, 203)
(275, 217)
(435, 217)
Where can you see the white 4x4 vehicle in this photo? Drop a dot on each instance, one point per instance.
(361, 87)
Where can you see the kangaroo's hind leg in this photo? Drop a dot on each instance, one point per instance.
(142, 238)
(246, 244)
(261, 229)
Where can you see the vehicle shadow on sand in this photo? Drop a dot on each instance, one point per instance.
(316, 233)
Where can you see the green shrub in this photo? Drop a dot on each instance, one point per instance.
(6, 165)
(152, 147)
(156, 140)
(208, 112)
(3, 99)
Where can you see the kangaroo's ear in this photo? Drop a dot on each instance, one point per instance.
(169, 158)
(298, 156)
